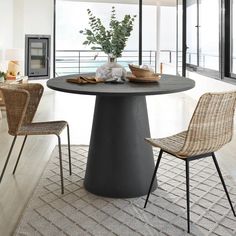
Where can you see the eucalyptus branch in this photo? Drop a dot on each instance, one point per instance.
(112, 40)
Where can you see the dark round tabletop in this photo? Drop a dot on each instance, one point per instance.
(167, 84)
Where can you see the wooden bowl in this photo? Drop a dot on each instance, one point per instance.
(140, 72)
(154, 78)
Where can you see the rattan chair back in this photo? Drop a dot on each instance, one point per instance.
(21, 103)
(211, 125)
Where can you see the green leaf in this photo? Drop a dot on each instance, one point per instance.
(112, 40)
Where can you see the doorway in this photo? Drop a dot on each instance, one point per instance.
(203, 27)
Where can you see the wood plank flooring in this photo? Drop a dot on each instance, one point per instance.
(168, 114)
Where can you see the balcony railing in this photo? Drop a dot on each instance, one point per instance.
(82, 61)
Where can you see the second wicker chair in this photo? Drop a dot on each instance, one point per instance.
(21, 103)
(210, 128)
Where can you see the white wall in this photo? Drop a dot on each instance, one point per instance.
(38, 17)
(6, 23)
(18, 26)
(6, 26)
(32, 17)
(20, 17)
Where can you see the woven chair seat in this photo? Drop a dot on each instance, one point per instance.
(43, 128)
(172, 144)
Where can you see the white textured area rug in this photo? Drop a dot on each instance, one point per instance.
(80, 213)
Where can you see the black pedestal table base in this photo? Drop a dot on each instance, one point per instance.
(120, 163)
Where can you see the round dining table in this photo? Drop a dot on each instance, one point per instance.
(120, 163)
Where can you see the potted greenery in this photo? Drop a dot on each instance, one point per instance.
(2, 76)
(111, 41)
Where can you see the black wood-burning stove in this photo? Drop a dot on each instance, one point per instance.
(37, 56)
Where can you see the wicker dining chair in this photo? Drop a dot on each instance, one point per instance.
(21, 103)
(210, 128)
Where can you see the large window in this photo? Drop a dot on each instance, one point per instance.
(192, 33)
(72, 17)
(210, 44)
(74, 57)
(203, 34)
(158, 35)
(209, 34)
(167, 39)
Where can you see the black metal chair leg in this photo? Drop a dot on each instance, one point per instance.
(14, 170)
(60, 161)
(8, 157)
(153, 176)
(187, 193)
(68, 136)
(223, 182)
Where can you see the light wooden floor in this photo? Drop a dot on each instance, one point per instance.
(168, 114)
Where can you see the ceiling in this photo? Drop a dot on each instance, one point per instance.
(145, 2)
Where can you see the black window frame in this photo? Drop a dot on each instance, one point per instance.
(225, 43)
(230, 35)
